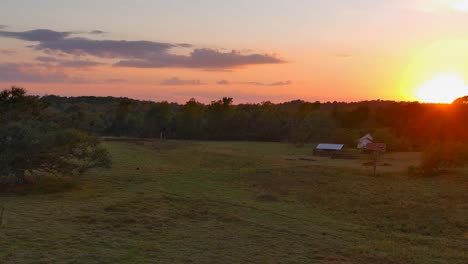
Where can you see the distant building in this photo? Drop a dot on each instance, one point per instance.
(332, 147)
(364, 141)
(327, 149)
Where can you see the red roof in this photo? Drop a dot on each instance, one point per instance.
(380, 147)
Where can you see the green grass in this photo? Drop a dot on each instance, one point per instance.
(239, 202)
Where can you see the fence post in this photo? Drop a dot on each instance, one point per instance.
(1, 216)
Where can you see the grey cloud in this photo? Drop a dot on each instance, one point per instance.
(107, 48)
(140, 54)
(11, 72)
(223, 82)
(3, 26)
(201, 58)
(97, 32)
(178, 81)
(42, 35)
(67, 63)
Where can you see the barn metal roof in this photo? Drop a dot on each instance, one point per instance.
(324, 146)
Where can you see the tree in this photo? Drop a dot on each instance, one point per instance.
(218, 115)
(189, 120)
(32, 143)
(158, 120)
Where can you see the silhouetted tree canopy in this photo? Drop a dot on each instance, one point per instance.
(36, 141)
(402, 125)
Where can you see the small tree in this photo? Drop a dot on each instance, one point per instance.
(32, 143)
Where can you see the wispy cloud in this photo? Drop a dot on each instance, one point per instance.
(343, 56)
(278, 83)
(177, 81)
(7, 52)
(29, 73)
(116, 80)
(41, 35)
(76, 63)
(140, 54)
(97, 32)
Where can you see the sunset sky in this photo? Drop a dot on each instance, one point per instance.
(252, 50)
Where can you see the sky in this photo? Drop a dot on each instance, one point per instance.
(253, 51)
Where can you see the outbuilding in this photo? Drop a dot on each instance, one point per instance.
(325, 149)
(364, 141)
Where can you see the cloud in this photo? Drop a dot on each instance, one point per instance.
(107, 48)
(67, 63)
(13, 72)
(3, 26)
(343, 56)
(254, 83)
(7, 52)
(41, 35)
(278, 83)
(116, 80)
(97, 32)
(178, 81)
(140, 54)
(281, 83)
(200, 58)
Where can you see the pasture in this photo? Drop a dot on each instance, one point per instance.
(238, 202)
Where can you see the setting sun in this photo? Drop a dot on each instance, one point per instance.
(444, 88)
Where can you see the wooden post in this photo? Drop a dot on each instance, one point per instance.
(1, 216)
(375, 162)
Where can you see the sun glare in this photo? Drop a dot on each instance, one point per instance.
(444, 88)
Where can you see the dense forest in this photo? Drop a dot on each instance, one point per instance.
(402, 125)
(60, 135)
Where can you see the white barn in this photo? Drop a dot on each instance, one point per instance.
(364, 141)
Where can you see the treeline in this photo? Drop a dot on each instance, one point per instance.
(402, 125)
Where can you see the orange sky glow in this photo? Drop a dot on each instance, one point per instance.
(311, 50)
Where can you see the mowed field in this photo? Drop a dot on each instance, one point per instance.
(239, 202)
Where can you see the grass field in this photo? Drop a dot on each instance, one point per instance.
(240, 202)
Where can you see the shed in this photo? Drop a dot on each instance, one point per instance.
(327, 150)
(329, 147)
